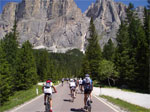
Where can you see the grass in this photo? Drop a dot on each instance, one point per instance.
(125, 105)
(56, 82)
(20, 97)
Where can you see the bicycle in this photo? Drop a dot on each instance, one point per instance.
(47, 106)
(88, 104)
(73, 93)
(62, 83)
(81, 90)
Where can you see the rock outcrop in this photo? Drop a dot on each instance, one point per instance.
(107, 18)
(59, 25)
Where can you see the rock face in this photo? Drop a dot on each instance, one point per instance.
(107, 18)
(59, 25)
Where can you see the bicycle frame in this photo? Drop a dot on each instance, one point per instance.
(47, 106)
(88, 103)
(73, 94)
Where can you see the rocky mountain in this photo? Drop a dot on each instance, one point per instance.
(107, 15)
(59, 25)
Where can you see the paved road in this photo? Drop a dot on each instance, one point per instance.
(61, 103)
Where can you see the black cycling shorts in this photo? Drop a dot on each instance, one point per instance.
(50, 95)
(86, 91)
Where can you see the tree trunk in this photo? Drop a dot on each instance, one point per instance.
(109, 82)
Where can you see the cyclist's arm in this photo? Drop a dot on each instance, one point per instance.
(43, 88)
(54, 88)
(92, 84)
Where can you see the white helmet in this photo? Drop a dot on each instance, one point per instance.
(71, 80)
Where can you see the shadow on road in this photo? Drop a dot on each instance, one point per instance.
(67, 100)
(77, 110)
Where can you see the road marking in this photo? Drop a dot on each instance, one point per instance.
(28, 102)
(22, 105)
(105, 103)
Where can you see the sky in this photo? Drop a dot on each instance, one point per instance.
(83, 4)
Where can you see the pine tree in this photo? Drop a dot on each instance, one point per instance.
(10, 47)
(147, 33)
(138, 50)
(109, 50)
(130, 13)
(45, 66)
(27, 68)
(93, 52)
(122, 58)
(85, 67)
(142, 52)
(5, 78)
(148, 36)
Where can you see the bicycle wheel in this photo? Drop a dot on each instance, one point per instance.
(89, 104)
(47, 108)
(89, 108)
(72, 96)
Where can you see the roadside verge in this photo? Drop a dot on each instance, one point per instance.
(26, 103)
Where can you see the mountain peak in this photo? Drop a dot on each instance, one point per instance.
(58, 25)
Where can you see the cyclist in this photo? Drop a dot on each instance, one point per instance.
(88, 87)
(72, 86)
(62, 80)
(80, 84)
(47, 89)
(77, 84)
(67, 80)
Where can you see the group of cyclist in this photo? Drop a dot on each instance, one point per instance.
(85, 85)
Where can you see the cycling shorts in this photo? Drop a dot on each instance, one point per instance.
(86, 91)
(50, 95)
(72, 87)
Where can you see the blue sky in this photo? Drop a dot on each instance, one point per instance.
(83, 4)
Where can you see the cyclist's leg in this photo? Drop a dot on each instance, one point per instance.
(75, 91)
(80, 87)
(70, 90)
(91, 96)
(50, 101)
(85, 96)
(44, 99)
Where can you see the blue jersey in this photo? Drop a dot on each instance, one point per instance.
(87, 85)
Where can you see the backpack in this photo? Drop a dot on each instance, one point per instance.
(88, 84)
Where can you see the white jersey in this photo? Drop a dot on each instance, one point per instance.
(48, 89)
(72, 84)
(80, 81)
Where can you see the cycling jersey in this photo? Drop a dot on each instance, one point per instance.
(87, 86)
(48, 89)
(80, 82)
(72, 84)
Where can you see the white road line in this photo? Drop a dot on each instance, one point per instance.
(105, 103)
(22, 105)
(28, 102)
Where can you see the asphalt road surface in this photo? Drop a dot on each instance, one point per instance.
(62, 103)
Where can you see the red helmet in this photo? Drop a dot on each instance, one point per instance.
(48, 81)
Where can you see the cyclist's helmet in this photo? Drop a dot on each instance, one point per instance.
(87, 80)
(87, 75)
(71, 80)
(48, 81)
